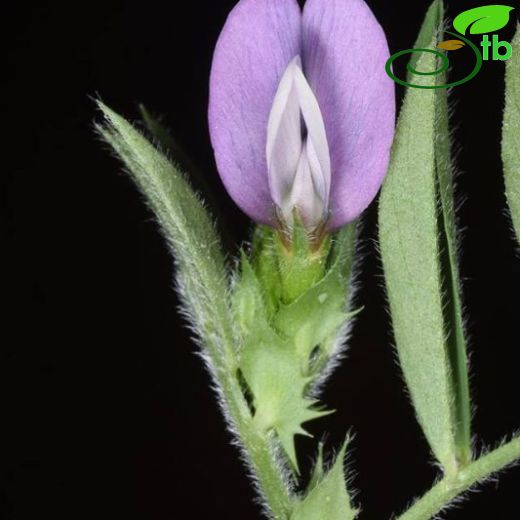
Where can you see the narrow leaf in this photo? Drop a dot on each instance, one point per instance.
(450, 279)
(434, 16)
(162, 135)
(430, 342)
(511, 133)
(188, 229)
(170, 147)
(173, 150)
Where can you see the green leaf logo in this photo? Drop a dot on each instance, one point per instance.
(481, 20)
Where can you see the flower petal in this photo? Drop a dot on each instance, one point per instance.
(305, 192)
(258, 41)
(298, 166)
(344, 56)
(284, 137)
(317, 143)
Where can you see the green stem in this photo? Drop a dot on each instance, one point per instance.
(202, 273)
(258, 447)
(449, 488)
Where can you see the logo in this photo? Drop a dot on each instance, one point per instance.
(480, 20)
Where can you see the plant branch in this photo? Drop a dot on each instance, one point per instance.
(202, 281)
(449, 488)
(259, 453)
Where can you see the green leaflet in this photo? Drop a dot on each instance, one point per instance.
(327, 497)
(511, 133)
(451, 286)
(432, 19)
(188, 229)
(409, 250)
(171, 148)
(163, 137)
(418, 249)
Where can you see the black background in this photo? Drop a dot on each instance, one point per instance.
(108, 411)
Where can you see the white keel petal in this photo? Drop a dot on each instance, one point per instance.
(297, 150)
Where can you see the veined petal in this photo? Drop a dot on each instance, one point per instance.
(258, 41)
(297, 151)
(344, 56)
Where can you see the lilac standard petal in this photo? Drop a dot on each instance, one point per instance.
(344, 56)
(258, 41)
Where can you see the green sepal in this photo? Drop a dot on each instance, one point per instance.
(316, 315)
(327, 497)
(248, 301)
(301, 261)
(313, 318)
(318, 471)
(265, 264)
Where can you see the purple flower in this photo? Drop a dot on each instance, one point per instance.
(301, 111)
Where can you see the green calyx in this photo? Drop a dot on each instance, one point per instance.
(290, 302)
(289, 262)
(302, 262)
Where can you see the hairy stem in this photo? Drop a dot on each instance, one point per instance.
(259, 451)
(203, 286)
(448, 488)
